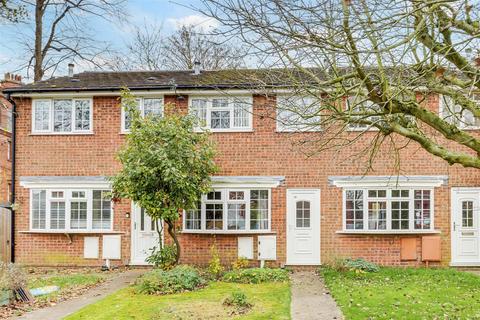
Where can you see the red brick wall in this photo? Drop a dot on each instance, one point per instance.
(261, 152)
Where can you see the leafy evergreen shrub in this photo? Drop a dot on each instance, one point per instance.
(256, 275)
(215, 267)
(178, 279)
(164, 258)
(360, 265)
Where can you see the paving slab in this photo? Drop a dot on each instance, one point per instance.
(311, 300)
(66, 308)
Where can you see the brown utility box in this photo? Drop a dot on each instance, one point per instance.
(408, 249)
(431, 248)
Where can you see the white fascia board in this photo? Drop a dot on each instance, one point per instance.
(52, 182)
(387, 181)
(247, 181)
(145, 93)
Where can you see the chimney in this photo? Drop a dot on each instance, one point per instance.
(70, 69)
(196, 67)
(10, 80)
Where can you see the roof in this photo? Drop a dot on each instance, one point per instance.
(168, 80)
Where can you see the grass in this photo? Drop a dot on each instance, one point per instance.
(65, 282)
(270, 301)
(394, 293)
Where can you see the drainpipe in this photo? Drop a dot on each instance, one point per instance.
(12, 186)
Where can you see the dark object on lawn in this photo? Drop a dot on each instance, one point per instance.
(22, 294)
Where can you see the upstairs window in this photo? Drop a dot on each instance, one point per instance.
(384, 210)
(457, 115)
(152, 107)
(222, 113)
(62, 116)
(296, 113)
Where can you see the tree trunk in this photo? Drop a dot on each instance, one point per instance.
(38, 54)
(173, 234)
(159, 232)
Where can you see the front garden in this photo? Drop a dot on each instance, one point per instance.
(364, 291)
(187, 293)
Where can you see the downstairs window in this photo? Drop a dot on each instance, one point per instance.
(384, 210)
(70, 210)
(230, 210)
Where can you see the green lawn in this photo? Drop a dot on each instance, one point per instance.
(395, 293)
(271, 301)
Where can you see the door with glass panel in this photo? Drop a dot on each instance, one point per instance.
(303, 227)
(144, 236)
(465, 226)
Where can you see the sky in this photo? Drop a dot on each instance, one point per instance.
(169, 14)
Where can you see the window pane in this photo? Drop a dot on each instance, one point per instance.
(62, 115)
(82, 115)
(354, 209)
(152, 107)
(236, 195)
(377, 215)
(42, 115)
(362, 112)
(101, 210)
(422, 207)
(219, 103)
(199, 110)
(39, 208)
(214, 216)
(78, 214)
(193, 218)
(467, 214)
(400, 215)
(214, 195)
(241, 114)
(259, 209)
(220, 120)
(236, 216)
(303, 214)
(57, 215)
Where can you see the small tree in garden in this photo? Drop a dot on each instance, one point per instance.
(166, 165)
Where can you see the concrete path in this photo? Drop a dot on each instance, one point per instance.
(68, 307)
(310, 299)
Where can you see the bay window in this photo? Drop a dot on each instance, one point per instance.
(62, 116)
(147, 107)
(70, 210)
(222, 113)
(384, 210)
(230, 211)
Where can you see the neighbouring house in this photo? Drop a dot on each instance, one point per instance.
(270, 202)
(9, 81)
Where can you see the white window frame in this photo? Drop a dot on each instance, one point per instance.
(67, 198)
(388, 199)
(444, 113)
(51, 121)
(225, 201)
(141, 109)
(248, 99)
(282, 127)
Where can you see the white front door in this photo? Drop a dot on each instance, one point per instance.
(303, 227)
(465, 226)
(144, 236)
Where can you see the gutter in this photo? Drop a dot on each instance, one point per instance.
(12, 183)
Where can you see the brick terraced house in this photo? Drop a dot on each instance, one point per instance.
(270, 202)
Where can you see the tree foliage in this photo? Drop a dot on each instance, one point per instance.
(10, 11)
(166, 166)
(372, 64)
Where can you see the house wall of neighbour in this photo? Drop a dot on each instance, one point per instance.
(264, 151)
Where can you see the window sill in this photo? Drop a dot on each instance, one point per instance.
(387, 232)
(236, 232)
(223, 130)
(61, 133)
(71, 232)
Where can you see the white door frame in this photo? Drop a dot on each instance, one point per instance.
(316, 237)
(454, 197)
(133, 236)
